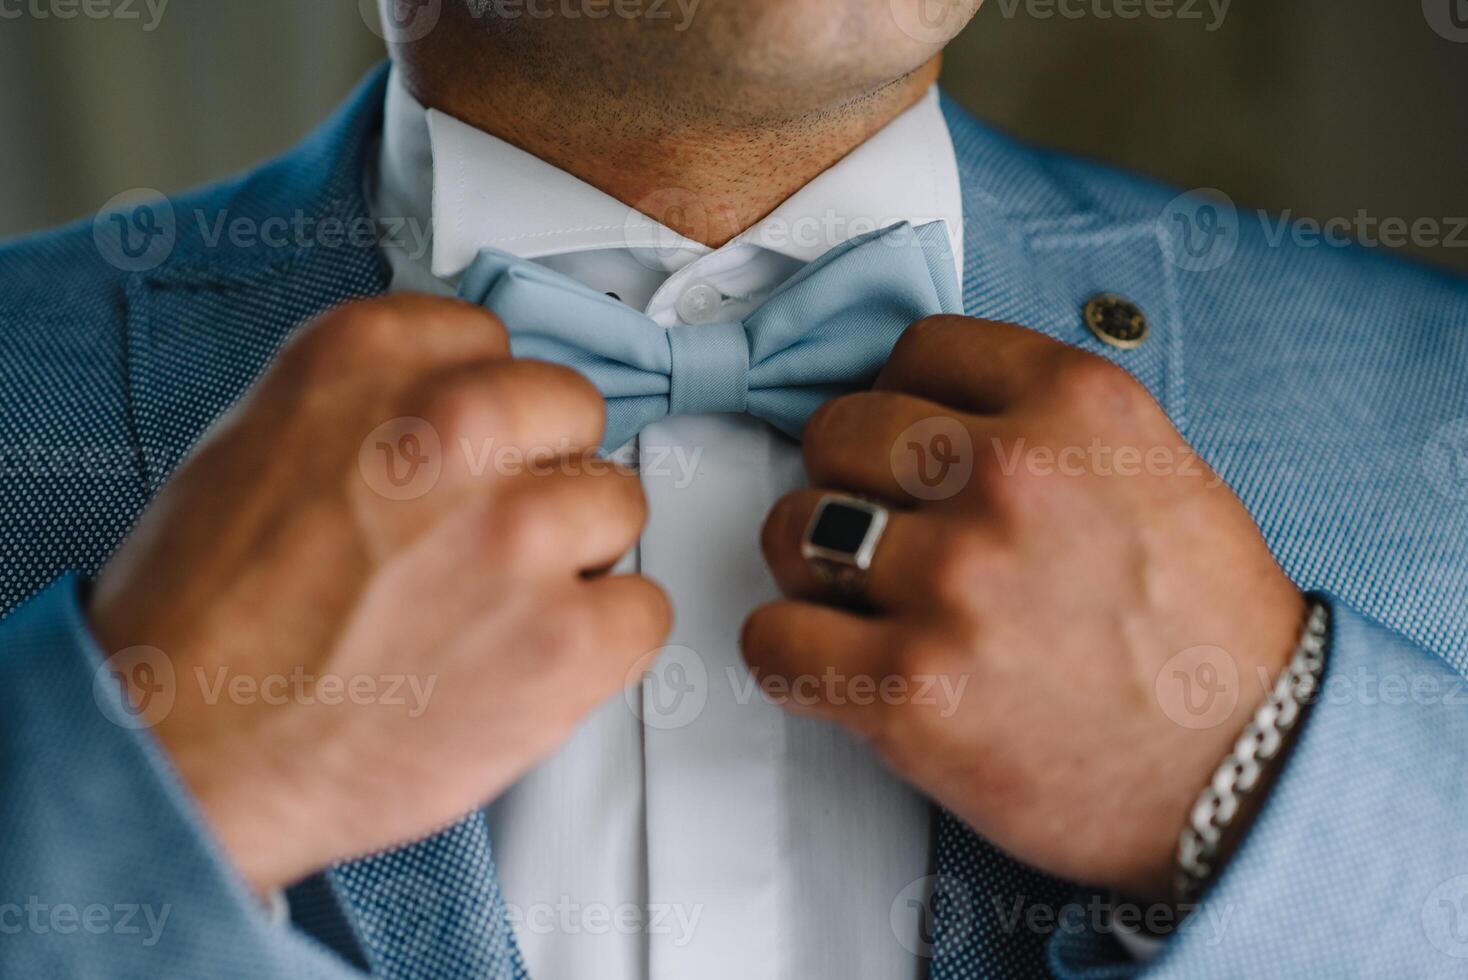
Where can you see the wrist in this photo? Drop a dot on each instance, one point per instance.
(264, 815)
(1235, 794)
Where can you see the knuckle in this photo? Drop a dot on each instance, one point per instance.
(457, 408)
(780, 528)
(353, 332)
(393, 339)
(758, 633)
(538, 383)
(635, 500)
(996, 479)
(524, 525)
(1093, 382)
(823, 419)
(560, 381)
(817, 423)
(622, 502)
(508, 399)
(564, 380)
(957, 566)
(572, 633)
(830, 439)
(927, 655)
(652, 613)
(444, 328)
(491, 329)
(917, 337)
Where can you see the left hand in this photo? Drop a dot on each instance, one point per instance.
(1039, 620)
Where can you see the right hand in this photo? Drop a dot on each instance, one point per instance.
(270, 556)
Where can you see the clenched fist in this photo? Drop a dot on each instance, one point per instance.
(1079, 547)
(316, 539)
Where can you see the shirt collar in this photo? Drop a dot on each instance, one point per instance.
(479, 191)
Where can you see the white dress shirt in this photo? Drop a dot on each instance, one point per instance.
(691, 829)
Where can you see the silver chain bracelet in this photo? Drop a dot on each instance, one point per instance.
(1260, 744)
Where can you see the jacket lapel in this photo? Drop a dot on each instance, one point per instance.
(252, 261)
(432, 909)
(1035, 253)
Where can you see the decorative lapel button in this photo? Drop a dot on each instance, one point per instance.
(1116, 321)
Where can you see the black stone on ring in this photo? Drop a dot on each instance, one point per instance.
(841, 539)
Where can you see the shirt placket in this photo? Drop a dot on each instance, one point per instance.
(712, 746)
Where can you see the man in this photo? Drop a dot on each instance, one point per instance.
(957, 394)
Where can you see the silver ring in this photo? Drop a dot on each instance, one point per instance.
(841, 539)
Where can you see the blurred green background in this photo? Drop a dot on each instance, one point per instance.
(1320, 107)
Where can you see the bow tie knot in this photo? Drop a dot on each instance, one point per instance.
(710, 369)
(825, 332)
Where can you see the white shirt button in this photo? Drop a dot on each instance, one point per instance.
(699, 304)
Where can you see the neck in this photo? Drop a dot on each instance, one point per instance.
(704, 179)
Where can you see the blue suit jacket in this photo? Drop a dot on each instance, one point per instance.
(1328, 386)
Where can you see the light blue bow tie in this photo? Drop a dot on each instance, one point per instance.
(826, 332)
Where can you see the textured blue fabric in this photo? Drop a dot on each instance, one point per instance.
(433, 909)
(106, 869)
(826, 331)
(1326, 385)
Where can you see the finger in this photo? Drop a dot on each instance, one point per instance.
(980, 366)
(574, 515)
(463, 431)
(896, 577)
(398, 338)
(445, 329)
(821, 661)
(890, 445)
(493, 414)
(638, 618)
